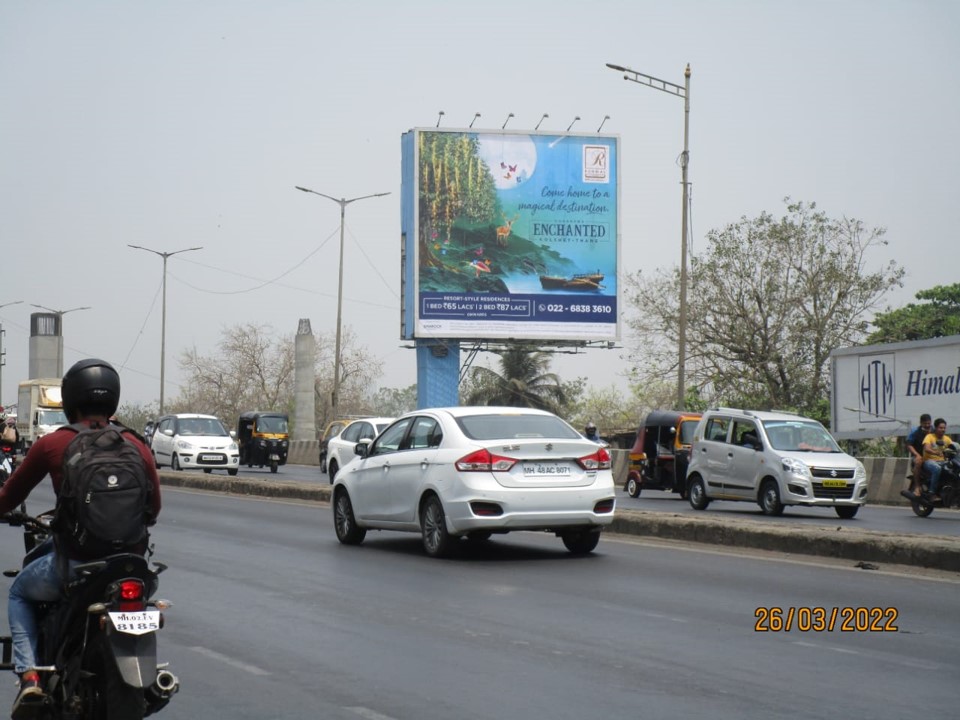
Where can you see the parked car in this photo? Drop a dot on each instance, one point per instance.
(333, 429)
(774, 459)
(340, 449)
(191, 441)
(661, 453)
(470, 472)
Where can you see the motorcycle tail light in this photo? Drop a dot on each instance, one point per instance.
(131, 596)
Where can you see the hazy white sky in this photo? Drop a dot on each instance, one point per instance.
(176, 124)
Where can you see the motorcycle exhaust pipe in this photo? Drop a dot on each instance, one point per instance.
(163, 687)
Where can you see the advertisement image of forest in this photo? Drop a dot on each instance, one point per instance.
(517, 235)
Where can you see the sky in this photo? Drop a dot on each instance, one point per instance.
(181, 124)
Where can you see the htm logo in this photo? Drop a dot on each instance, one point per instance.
(876, 389)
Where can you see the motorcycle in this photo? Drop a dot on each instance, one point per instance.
(948, 488)
(98, 646)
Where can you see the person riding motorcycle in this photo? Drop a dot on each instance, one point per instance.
(91, 394)
(590, 433)
(933, 455)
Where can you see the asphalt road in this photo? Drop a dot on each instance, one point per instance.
(883, 518)
(274, 619)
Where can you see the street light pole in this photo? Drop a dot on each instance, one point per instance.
(163, 321)
(59, 314)
(342, 202)
(684, 92)
(2, 352)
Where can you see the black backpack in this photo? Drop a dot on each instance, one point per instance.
(104, 500)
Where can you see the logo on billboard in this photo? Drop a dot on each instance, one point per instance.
(596, 163)
(877, 388)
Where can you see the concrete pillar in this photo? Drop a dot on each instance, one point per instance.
(46, 346)
(304, 377)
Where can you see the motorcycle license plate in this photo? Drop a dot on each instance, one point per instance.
(835, 483)
(136, 623)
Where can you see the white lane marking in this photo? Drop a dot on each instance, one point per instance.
(214, 655)
(887, 657)
(368, 713)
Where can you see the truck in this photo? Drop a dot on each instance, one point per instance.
(39, 409)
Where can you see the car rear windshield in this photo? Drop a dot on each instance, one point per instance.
(515, 427)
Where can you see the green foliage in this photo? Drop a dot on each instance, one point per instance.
(523, 381)
(136, 415)
(939, 316)
(393, 402)
(769, 300)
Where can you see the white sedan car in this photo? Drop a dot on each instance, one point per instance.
(471, 472)
(340, 447)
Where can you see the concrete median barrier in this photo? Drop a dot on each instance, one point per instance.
(938, 552)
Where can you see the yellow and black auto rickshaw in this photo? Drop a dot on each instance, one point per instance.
(264, 438)
(661, 453)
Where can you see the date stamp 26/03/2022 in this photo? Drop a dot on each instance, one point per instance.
(825, 619)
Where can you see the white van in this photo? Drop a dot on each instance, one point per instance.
(774, 459)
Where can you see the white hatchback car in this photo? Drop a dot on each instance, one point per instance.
(340, 447)
(190, 441)
(471, 472)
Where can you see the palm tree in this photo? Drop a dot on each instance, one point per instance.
(523, 381)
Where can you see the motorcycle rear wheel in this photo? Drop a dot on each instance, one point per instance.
(920, 508)
(117, 700)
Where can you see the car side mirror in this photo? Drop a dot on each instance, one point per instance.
(168, 432)
(362, 448)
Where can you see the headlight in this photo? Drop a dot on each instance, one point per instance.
(184, 445)
(263, 443)
(860, 473)
(792, 465)
(284, 443)
(232, 447)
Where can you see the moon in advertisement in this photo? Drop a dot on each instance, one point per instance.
(511, 158)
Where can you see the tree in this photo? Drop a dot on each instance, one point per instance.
(254, 370)
(769, 300)
(136, 415)
(939, 317)
(393, 402)
(523, 381)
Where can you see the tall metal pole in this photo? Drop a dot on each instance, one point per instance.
(163, 320)
(342, 202)
(3, 353)
(684, 163)
(684, 92)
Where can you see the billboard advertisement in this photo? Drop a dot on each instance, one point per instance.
(510, 235)
(881, 390)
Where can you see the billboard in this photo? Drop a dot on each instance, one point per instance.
(881, 390)
(510, 235)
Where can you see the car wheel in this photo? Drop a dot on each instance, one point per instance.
(433, 528)
(175, 463)
(348, 532)
(332, 468)
(697, 494)
(581, 542)
(770, 498)
(846, 512)
(633, 487)
(233, 471)
(920, 508)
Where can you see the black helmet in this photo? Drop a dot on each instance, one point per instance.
(91, 387)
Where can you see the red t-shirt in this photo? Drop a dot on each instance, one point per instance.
(46, 458)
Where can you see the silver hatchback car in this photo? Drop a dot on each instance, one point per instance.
(470, 472)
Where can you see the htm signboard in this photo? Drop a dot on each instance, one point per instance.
(881, 390)
(510, 235)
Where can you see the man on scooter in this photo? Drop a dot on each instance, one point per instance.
(933, 456)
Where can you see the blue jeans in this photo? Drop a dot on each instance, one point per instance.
(38, 582)
(933, 471)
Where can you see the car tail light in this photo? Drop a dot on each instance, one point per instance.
(131, 596)
(484, 461)
(600, 460)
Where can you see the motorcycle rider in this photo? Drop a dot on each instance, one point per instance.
(915, 448)
(590, 432)
(933, 456)
(91, 394)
